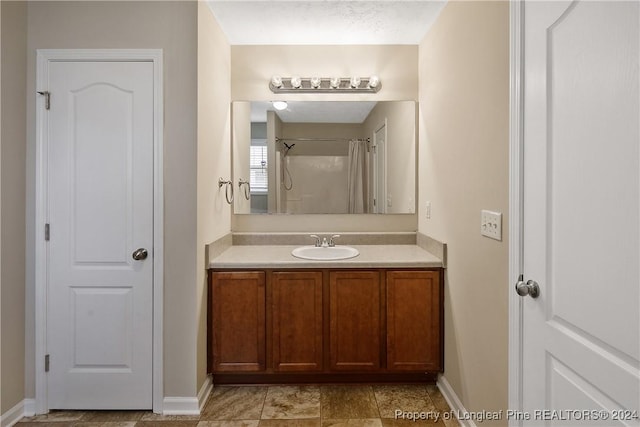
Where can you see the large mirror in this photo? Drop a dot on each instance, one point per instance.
(333, 157)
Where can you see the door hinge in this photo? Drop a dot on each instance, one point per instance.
(47, 99)
(46, 232)
(46, 363)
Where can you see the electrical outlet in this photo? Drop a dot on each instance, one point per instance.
(389, 201)
(427, 210)
(491, 224)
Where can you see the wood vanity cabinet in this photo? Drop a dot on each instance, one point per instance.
(354, 318)
(237, 310)
(414, 321)
(296, 313)
(325, 325)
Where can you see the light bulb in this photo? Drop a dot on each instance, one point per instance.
(355, 82)
(279, 105)
(374, 81)
(335, 82)
(315, 82)
(276, 81)
(296, 82)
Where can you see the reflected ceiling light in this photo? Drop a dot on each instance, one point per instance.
(279, 105)
(297, 84)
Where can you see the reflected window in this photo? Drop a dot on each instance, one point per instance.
(258, 166)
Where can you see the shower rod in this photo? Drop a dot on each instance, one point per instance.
(322, 139)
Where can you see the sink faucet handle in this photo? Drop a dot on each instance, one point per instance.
(332, 243)
(315, 236)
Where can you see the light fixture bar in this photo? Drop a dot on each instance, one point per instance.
(326, 85)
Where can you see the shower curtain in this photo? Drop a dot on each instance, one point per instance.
(357, 178)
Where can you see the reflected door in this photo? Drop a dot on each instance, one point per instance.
(379, 170)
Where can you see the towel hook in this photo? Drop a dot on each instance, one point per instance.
(229, 185)
(247, 188)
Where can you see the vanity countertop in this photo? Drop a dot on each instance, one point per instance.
(279, 256)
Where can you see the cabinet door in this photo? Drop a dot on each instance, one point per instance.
(414, 340)
(297, 321)
(238, 304)
(354, 320)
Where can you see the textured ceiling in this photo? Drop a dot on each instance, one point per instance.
(325, 22)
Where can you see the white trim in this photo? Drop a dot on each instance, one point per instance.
(44, 57)
(454, 401)
(16, 413)
(29, 407)
(204, 392)
(516, 197)
(13, 415)
(181, 406)
(188, 405)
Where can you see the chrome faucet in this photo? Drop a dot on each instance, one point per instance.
(323, 242)
(315, 236)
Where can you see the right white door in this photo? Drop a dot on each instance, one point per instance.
(581, 347)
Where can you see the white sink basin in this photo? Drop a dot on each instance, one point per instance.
(325, 253)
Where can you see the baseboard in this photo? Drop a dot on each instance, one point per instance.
(204, 392)
(180, 406)
(24, 408)
(454, 401)
(29, 407)
(188, 405)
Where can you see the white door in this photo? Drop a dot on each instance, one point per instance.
(379, 180)
(100, 204)
(581, 335)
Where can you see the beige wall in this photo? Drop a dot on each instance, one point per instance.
(172, 27)
(214, 153)
(464, 111)
(252, 68)
(274, 128)
(321, 130)
(13, 152)
(241, 153)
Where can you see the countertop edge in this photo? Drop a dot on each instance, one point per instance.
(279, 257)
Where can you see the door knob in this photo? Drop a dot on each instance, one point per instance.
(530, 288)
(140, 254)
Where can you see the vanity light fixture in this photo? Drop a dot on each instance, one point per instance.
(374, 81)
(276, 81)
(315, 82)
(279, 105)
(298, 84)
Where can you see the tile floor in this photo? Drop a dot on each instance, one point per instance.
(282, 406)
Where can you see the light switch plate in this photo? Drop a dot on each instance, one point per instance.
(491, 224)
(427, 209)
